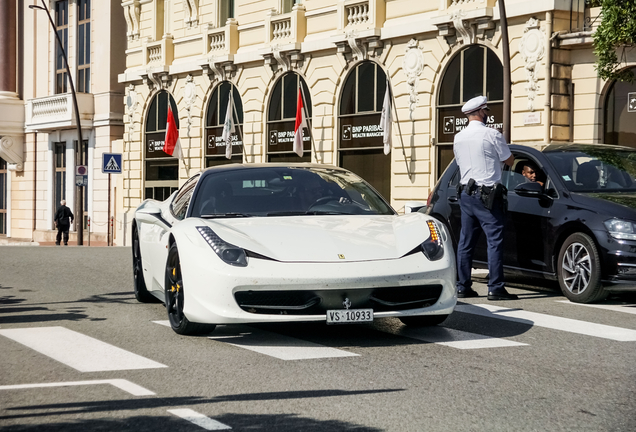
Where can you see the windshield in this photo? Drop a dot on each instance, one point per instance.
(285, 191)
(596, 170)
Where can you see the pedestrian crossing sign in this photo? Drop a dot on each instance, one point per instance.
(111, 163)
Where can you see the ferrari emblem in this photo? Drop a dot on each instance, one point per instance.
(341, 256)
(346, 303)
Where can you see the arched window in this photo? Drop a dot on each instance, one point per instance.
(281, 120)
(361, 149)
(620, 114)
(214, 119)
(162, 170)
(474, 71)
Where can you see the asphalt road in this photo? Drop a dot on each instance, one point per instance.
(78, 353)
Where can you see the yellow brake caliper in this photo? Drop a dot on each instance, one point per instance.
(174, 274)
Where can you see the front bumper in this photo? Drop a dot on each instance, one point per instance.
(407, 286)
(619, 259)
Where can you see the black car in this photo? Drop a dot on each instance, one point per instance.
(576, 222)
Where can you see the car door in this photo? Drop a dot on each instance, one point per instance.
(527, 218)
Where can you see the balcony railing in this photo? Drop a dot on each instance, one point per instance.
(55, 111)
(222, 41)
(358, 14)
(583, 17)
(286, 28)
(159, 53)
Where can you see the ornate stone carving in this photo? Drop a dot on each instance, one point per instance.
(359, 51)
(464, 29)
(191, 12)
(189, 97)
(532, 49)
(131, 107)
(131, 13)
(412, 65)
(12, 151)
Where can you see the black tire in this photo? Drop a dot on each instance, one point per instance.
(139, 284)
(579, 270)
(175, 298)
(423, 321)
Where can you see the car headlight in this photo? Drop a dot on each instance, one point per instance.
(621, 229)
(232, 255)
(432, 247)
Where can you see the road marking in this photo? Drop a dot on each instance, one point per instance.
(125, 385)
(199, 419)
(551, 322)
(272, 344)
(456, 338)
(78, 351)
(627, 308)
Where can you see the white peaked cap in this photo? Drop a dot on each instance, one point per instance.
(475, 104)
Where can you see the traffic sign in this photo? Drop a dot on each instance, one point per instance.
(111, 163)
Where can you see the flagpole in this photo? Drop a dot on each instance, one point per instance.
(238, 127)
(397, 120)
(309, 126)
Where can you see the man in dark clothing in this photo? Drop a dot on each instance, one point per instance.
(61, 219)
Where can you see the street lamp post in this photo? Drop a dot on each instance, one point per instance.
(505, 45)
(79, 205)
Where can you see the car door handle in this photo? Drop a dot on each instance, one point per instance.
(452, 198)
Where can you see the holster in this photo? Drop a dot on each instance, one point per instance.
(492, 194)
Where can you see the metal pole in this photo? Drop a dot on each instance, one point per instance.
(108, 230)
(505, 45)
(79, 205)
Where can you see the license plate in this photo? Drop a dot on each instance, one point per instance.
(348, 316)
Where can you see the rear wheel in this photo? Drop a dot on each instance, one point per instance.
(423, 321)
(579, 270)
(139, 284)
(175, 298)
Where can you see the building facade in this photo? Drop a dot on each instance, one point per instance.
(194, 56)
(38, 126)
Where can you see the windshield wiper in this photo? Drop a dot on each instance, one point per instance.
(224, 215)
(286, 213)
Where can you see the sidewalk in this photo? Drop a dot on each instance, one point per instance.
(8, 241)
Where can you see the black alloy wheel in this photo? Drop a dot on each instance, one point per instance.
(175, 298)
(579, 270)
(423, 321)
(139, 284)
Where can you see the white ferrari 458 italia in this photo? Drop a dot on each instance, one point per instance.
(288, 242)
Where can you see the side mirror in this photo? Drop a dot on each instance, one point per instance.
(414, 206)
(148, 213)
(529, 189)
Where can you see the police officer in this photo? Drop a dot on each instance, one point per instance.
(480, 151)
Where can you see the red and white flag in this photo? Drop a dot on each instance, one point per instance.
(172, 144)
(301, 122)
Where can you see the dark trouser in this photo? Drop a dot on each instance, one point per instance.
(475, 218)
(62, 229)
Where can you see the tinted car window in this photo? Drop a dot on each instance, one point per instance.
(280, 191)
(179, 206)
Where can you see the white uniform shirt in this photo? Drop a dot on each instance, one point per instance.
(479, 151)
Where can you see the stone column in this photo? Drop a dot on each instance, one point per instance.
(8, 48)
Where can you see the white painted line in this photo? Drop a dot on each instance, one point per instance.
(627, 308)
(199, 419)
(551, 322)
(78, 351)
(456, 338)
(122, 384)
(271, 344)
(275, 345)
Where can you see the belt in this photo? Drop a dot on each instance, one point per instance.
(480, 189)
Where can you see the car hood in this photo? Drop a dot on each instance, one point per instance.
(324, 238)
(613, 204)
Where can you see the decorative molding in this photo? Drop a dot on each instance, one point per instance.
(191, 12)
(157, 79)
(284, 58)
(132, 12)
(358, 46)
(131, 107)
(12, 151)
(413, 65)
(532, 50)
(463, 27)
(189, 97)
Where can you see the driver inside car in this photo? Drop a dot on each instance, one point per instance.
(530, 172)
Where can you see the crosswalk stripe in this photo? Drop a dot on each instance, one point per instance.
(272, 344)
(125, 385)
(626, 308)
(456, 338)
(551, 322)
(78, 351)
(199, 419)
